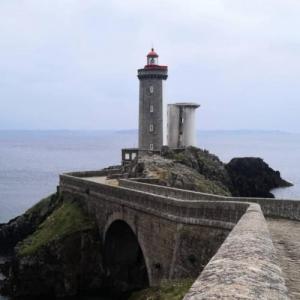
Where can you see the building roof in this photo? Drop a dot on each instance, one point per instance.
(152, 53)
(155, 67)
(186, 104)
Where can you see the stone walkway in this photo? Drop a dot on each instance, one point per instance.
(103, 179)
(286, 238)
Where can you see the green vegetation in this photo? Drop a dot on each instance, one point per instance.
(213, 178)
(169, 290)
(42, 205)
(65, 220)
(179, 156)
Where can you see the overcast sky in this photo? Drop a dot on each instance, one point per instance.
(71, 64)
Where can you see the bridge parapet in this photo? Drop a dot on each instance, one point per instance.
(245, 266)
(97, 173)
(278, 208)
(209, 213)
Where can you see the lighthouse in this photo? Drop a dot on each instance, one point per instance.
(180, 121)
(151, 79)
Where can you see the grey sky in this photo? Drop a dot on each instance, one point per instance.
(71, 64)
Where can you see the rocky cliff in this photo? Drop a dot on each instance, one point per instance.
(171, 172)
(57, 254)
(199, 170)
(18, 228)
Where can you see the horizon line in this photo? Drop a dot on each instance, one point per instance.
(136, 129)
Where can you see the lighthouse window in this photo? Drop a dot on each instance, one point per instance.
(151, 147)
(151, 108)
(151, 127)
(151, 89)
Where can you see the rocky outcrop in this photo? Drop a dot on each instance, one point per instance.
(252, 177)
(18, 228)
(172, 172)
(204, 162)
(61, 258)
(198, 170)
(64, 267)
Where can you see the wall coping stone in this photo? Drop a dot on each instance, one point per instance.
(278, 208)
(245, 266)
(207, 213)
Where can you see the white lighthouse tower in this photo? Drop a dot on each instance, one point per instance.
(182, 125)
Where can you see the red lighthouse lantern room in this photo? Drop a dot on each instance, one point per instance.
(152, 58)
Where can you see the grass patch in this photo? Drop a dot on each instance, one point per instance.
(169, 290)
(42, 205)
(65, 220)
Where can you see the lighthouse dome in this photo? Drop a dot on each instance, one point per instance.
(152, 53)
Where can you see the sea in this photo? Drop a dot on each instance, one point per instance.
(31, 161)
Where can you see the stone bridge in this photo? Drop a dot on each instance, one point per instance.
(151, 233)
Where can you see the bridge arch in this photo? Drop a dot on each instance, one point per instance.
(124, 256)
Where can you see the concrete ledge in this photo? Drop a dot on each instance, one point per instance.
(245, 267)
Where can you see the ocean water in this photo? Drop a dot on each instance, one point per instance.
(30, 161)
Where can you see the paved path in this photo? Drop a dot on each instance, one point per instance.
(286, 238)
(103, 179)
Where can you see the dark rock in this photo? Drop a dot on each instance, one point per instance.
(252, 177)
(61, 258)
(18, 228)
(4, 267)
(198, 170)
(64, 267)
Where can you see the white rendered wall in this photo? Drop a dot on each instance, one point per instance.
(189, 137)
(173, 126)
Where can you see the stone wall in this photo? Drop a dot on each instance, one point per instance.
(178, 237)
(211, 213)
(177, 240)
(147, 117)
(245, 267)
(97, 173)
(279, 208)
